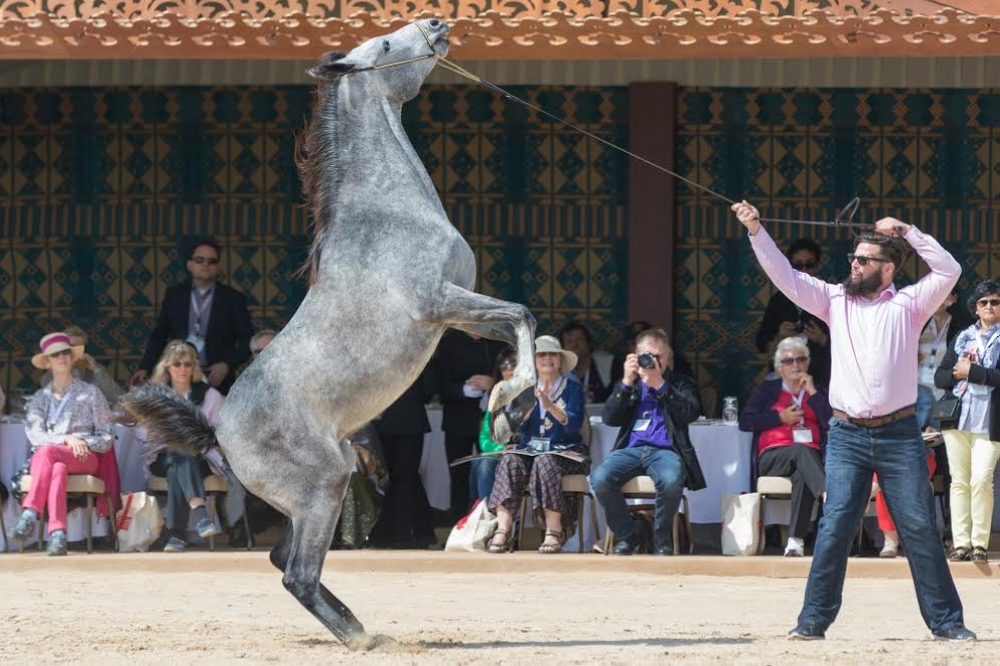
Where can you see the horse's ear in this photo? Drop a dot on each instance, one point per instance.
(334, 64)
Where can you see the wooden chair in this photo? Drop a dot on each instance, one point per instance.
(573, 485)
(214, 486)
(87, 486)
(642, 487)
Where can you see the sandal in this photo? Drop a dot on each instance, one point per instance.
(960, 554)
(550, 548)
(501, 547)
(979, 555)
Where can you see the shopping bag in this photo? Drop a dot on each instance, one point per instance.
(740, 524)
(472, 531)
(138, 523)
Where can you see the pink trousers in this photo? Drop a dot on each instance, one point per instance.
(50, 467)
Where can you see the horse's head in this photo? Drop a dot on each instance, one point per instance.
(413, 47)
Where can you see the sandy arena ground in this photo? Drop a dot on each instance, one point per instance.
(203, 608)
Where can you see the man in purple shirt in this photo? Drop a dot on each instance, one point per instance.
(874, 334)
(653, 406)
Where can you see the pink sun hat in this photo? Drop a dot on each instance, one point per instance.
(52, 343)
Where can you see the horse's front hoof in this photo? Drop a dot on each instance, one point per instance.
(506, 392)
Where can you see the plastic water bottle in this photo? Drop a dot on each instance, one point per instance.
(730, 410)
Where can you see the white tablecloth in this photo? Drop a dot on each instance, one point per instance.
(14, 450)
(724, 454)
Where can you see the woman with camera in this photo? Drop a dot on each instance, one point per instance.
(554, 425)
(790, 416)
(969, 373)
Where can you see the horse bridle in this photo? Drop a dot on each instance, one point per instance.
(843, 219)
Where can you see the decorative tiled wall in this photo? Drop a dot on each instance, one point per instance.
(101, 188)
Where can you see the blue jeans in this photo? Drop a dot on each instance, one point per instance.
(481, 478)
(898, 455)
(663, 466)
(925, 403)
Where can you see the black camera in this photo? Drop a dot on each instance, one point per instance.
(800, 326)
(647, 361)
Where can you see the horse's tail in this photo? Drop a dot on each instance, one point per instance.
(170, 419)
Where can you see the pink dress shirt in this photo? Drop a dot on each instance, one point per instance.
(873, 343)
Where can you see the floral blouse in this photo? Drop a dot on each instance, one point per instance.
(82, 411)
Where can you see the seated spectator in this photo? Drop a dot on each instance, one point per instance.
(790, 416)
(969, 371)
(555, 421)
(68, 427)
(680, 364)
(88, 370)
(653, 407)
(783, 319)
(484, 470)
(593, 367)
(260, 340)
(178, 368)
(365, 490)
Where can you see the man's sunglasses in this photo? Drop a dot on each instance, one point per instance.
(983, 302)
(211, 261)
(863, 260)
(794, 359)
(804, 265)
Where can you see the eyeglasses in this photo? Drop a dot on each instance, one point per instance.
(983, 302)
(863, 260)
(507, 365)
(211, 261)
(546, 353)
(61, 352)
(789, 360)
(804, 265)
(182, 364)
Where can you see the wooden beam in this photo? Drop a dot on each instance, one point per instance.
(651, 203)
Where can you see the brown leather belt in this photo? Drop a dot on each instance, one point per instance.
(877, 421)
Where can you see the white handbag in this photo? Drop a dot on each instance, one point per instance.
(740, 524)
(472, 531)
(138, 523)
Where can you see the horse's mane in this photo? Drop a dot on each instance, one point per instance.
(315, 160)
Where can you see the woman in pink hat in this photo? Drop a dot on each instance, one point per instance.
(67, 425)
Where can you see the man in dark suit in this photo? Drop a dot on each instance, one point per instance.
(464, 369)
(209, 315)
(406, 520)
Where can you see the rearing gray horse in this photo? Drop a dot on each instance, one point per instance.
(389, 274)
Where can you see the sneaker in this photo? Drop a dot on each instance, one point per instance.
(175, 545)
(806, 632)
(57, 543)
(206, 528)
(889, 551)
(25, 525)
(795, 551)
(955, 635)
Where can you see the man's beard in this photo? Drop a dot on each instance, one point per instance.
(865, 285)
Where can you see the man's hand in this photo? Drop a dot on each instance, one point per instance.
(814, 333)
(748, 216)
(786, 329)
(80, 448)
(961, 369)
(138, 377)
(480, 382)
(631, 369)
(791, 415)
(88, 361)
(890, 226)
(217, 373)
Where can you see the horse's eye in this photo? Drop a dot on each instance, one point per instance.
(385, 46)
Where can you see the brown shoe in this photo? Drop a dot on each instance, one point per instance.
(979, 555)
(960, 554)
